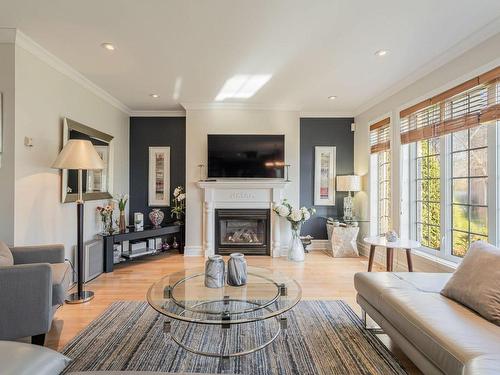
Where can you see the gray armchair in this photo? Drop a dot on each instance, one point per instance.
(34, 281)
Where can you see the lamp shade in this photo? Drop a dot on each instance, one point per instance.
(348, 183)
(78, 154)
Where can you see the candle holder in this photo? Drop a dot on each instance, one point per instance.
(200, 166)
(287, 179)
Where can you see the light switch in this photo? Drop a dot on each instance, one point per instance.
(28, 141)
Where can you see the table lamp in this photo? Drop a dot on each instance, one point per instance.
(348, 183)
(80, 155)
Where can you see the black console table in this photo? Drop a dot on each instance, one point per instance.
(131, 234)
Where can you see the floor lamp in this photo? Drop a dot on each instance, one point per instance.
(78, 154)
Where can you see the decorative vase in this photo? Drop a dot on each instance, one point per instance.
(237, 270)
(296, 249)
(214, 272)
(165, 246)
(107, 223)
(175, 244)
(122, 225)
(156, 216)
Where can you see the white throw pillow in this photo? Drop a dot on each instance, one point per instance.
(476, 281)
(6, 258)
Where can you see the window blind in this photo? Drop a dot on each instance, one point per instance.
(474, 102)
(380, 136)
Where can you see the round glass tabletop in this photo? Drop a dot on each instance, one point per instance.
(184, 296)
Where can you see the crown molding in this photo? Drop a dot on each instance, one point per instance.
(452, 53)
(235, 106)
(25, 42)
(305, 114)
(157, 113)
(7, 35)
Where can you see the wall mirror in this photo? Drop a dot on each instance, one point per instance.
(96, 184)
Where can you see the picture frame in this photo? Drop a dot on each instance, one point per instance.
(159, 177)
(324, 175)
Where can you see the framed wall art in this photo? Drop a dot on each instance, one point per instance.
(159, 176)
(324, 175)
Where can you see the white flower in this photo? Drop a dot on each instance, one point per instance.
(181, 197)
(296, 215)
(282, 211)
(306, 214)
(177, 191)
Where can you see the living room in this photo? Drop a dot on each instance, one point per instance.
(249, 188)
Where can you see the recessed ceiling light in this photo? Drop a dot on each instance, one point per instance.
(381, 52)
(108, 46)
(333, 97)
(242, 86)
(154, 95)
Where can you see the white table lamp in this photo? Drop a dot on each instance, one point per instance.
(348, 183)
(80, 155)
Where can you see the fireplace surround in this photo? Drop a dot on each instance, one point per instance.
(242, 230)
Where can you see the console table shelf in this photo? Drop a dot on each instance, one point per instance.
(132, 234)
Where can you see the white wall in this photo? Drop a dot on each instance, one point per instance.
(479, 59)
(7, 68)
(199, 123)
(43, 97)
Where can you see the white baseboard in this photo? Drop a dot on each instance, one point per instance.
(193, 251)
(420, 263)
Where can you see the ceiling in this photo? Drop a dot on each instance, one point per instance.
(185, 50)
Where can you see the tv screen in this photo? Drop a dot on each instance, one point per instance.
(246, 156)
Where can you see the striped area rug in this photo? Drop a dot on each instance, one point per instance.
(323, 337)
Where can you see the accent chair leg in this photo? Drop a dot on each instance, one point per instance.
(370, 259)
(38, 339)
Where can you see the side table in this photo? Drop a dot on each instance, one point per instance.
(408, 245)
(343, 240)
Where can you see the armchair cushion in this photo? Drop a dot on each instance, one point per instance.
(61, 280)
(38, 254)
(6, 258)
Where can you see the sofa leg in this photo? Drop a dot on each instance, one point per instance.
(375, 330)
(38, 339)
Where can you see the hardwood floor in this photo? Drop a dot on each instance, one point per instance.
(321, 277)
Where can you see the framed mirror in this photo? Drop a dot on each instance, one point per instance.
(96, 184)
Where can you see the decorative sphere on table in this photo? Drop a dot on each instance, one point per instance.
(156, 216)
(391, 236)
(237, 270)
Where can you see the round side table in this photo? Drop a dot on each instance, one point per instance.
(408, 245)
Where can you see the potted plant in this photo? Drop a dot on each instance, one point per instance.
(179, 204)
(296, 216)
(122, 200)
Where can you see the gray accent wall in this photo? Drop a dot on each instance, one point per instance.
(155, 131)
(323, 132)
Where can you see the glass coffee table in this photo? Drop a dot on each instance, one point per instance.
(224, 322)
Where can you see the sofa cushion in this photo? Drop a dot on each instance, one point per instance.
(61, 280)
(25, 359)
(6, 258)
(446, 332)
(476, 281)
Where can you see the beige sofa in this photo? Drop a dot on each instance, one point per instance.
(439, 335)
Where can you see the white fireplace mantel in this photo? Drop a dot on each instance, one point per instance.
(240, 194)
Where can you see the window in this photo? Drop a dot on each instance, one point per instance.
(381, 175)
(384, 191)
(469, 182)
(428, 193)
(451, 144)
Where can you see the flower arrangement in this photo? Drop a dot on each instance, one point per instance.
(122, 200)
(296, 216)
(106, 213)
(179, 203)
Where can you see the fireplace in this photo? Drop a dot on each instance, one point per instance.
(245, 231)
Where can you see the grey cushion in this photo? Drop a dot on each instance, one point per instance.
(61, 280)
(17, 358)
(6, 258)
(447, 333)
(476, 282)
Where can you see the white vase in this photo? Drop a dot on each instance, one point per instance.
(296, 249)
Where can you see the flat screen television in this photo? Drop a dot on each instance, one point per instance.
(246, 156)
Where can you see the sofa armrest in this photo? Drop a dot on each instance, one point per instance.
(25, 300)
(38, 254)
